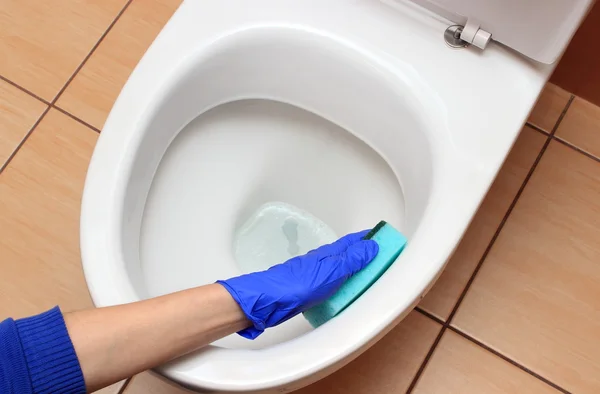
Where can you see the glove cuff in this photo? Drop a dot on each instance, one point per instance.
(258, 325)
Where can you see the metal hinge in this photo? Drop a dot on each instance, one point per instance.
(470, 34)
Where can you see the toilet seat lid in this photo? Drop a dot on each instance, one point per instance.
(539, 29)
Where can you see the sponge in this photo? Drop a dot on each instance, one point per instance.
(391, 243)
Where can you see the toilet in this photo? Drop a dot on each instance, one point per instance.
(345, 112)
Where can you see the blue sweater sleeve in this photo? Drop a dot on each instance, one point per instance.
(38, 357)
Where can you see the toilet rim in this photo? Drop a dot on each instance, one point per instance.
(442, 225)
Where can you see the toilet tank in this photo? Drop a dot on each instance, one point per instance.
(538, 29)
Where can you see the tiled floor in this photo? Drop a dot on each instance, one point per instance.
(517, 309)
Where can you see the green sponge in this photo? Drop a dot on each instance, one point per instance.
(391, 243)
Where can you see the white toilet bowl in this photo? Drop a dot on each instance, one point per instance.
(354, 111)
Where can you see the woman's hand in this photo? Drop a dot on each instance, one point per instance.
(271, 297)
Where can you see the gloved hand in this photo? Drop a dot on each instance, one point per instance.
(271, 297)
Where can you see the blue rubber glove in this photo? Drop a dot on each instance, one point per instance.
(271, 297)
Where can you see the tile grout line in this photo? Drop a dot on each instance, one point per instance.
(24, 90)
(508, 212)
(125, 385)
(91, 52)
(82, 64)
(21, 88)
(575, 148)
(488, 249)
(561, 140)
(536, 128)
(429, 315)
(83, 122)
(507, 359)
(52, 104)
(23, 140)
(491, 350)
(562, 114)
(425, 362)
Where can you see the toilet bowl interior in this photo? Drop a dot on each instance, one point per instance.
(232, 160)
(258, 118)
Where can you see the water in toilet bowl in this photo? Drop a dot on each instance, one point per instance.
(276, 232)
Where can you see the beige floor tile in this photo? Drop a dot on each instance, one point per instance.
(43, 42)
(112, 389)
(443, 296)
(95, 88)
(40, 194)
(550, 105)
(462, 367)
(150, 383)
(537, 297)
(581, 126)
(389, 366)
(18, 112)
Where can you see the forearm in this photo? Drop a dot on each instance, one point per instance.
(117, 342)
(52, 352)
